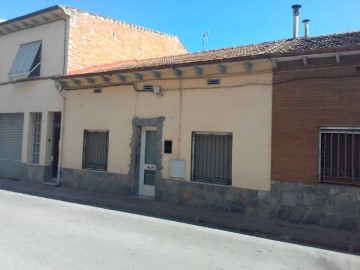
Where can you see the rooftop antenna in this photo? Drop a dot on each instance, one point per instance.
(204, 37)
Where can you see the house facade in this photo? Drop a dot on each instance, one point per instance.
(243, 129)
(315, 135)
(268, 129)
(52, 42)
(170, 133)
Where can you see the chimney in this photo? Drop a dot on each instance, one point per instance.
(296, 20)
(306, 27)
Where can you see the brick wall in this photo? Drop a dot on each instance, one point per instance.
(323, 93)
(95, 40)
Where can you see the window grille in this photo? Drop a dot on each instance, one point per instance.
(95, 151)
(211, 157)
(339, 155)
(27, 62)
(213, 81)
(148, 87)
(37, 136)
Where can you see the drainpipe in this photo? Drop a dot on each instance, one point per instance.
(306, 28)
(296, 9)
(61, 91)
(58, 179)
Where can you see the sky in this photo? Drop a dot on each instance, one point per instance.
(228, 22)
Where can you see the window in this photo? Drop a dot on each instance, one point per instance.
(213, 81)
(211, 157)
(339, 155)
(37, 135)
(95, 151)
(27, 62)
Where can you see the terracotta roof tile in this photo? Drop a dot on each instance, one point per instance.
(287, 47)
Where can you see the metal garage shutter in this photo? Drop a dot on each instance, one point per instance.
(11, 133)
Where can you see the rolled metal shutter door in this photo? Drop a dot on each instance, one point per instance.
(11, 135)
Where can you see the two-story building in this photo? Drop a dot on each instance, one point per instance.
(52, 42)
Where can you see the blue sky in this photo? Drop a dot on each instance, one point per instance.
(230, 22)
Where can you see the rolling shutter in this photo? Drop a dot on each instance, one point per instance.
(11, 134)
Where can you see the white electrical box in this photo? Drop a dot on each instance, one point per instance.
(157, 90)
(177, 168)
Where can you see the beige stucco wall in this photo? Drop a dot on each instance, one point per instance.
(35, 95)
(241, 105)
(52, 36)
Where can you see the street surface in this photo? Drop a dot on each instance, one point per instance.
(38, 233)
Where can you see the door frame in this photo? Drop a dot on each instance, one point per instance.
(145, 190)
(137, 124)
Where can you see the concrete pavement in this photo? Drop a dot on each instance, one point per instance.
(39, 233)
(307, 234)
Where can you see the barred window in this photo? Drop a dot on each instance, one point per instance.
(37, 136)
(211, 157)
(339, 155)
(95, 150)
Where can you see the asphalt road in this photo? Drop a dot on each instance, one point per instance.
(38, 233)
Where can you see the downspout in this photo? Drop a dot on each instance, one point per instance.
(61, 146)
(180, 117)
(61, 91)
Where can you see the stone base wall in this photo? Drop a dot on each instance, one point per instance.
(321, 204)
(35, 173)
(251, 202)
(97, 181)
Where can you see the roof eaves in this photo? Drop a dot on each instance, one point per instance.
(36, 13)
(318, 51)
(166, 66)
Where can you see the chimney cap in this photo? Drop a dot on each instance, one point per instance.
(296, 9)
(296, 6)
(306, 21)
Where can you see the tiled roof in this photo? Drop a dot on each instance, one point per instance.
(287, 47)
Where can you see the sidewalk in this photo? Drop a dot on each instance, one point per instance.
(348, 241)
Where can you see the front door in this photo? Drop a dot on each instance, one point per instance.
(147, 162)
(55, 162)
(56, 140)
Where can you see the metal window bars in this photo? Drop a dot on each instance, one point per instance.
(339, 157)
(211, 157)
(37, 137)
(95, 150)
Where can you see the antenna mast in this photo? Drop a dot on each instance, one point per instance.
(204, 37)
